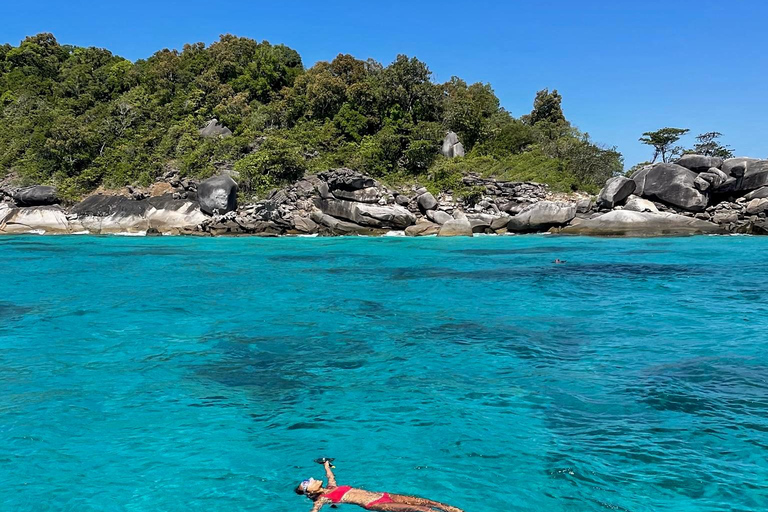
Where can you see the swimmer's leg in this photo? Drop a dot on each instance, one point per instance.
(413, 500)
(399, 507)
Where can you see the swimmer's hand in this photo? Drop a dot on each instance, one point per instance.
(325, 460)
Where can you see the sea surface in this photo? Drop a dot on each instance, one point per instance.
(186, 374)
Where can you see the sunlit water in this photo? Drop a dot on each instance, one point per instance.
(181, 374)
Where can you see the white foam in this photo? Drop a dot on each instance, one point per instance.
(126, 233)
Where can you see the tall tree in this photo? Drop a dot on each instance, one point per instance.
(663, 142)
(708, 145)
(547, 106)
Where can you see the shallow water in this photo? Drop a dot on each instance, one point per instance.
(179, 374)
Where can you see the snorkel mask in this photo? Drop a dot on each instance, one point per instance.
(306, 483)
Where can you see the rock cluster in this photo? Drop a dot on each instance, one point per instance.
(697, 194)
(728, 193)
(343, 201)
(452, 148)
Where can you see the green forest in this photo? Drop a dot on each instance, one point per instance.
(80, 118)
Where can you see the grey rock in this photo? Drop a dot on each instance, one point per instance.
(736, 167)
(756, 176)
(513, 207)
(450, 140)
(458, 150)
(304, 224)
(402, 200)
(459, 226)
(393, 216)
(38, 195)
(725, 217)
(99, 214)
(616, 190)
(215, 129)
(427, 202)
(701, 184)
(639, 178)
(583, 205)
(542, 216)
(757, 194)
(638, 204)
(217, 195)
(305, 188)
(438, 217)
(346, 179)
(324, 191)
(674, 185)
(481, 222)
(363, 195)
(422, 228)
(340, 227)
(630, 223)
(50, 219)
(756, 206)
(700, 163)
(715, 177)
(500, 223)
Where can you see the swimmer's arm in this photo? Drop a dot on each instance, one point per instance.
(329, 474)
(318, 505)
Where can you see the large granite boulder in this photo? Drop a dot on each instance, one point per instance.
(736, 167)
(214, 128)
(616, 190)
(341, 227)
(638, 204)
(629, 223)
(674, 185)
(363, 195)
(757, 206)
(744, 175)
(757, 194)
(426, 202)
(639, 178)
(700, 163)
(5, 210)
(715, 177)
(34, 219)
(438, 216)
(346, 179)
(391, 216)
(304, 224)
(452, 148)
(217, 195)
(39, 195)
(755, 176)
(422, 228)
(102, 215)
(459, 226)
(541, 216)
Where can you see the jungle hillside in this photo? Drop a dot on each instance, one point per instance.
(80, 118)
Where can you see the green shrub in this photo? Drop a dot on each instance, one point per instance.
(276, 162)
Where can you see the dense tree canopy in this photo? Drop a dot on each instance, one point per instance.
(82, 117)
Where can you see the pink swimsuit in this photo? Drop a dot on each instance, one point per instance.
(338, 494)
(384, 499)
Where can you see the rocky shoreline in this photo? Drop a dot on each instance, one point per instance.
(696, 195)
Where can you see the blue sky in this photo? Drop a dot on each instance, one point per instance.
(622, 67)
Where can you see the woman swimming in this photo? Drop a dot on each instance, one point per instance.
(337, 494)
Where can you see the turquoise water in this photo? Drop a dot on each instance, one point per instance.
(181, 374)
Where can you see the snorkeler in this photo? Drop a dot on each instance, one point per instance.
(337, 494)
(558, 261)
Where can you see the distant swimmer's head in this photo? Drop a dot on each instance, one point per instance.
(309, 486)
